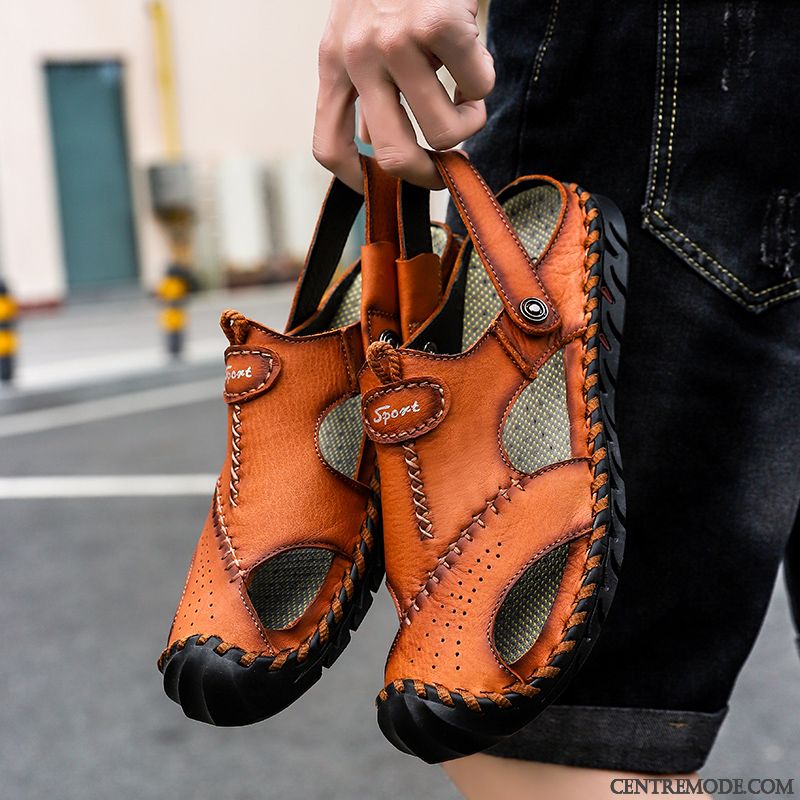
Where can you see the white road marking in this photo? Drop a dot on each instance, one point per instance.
(61, 486)
(108, 408)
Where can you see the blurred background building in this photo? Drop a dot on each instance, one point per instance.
(109, 448)
(87, 113)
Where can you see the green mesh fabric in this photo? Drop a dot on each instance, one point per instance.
(525, 610)
(439, 239)
(340, 434)
(349, 310)
(282, 588)
(533, 214)
(537, 432)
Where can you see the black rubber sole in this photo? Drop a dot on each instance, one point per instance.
(217, 689)
(435, 732)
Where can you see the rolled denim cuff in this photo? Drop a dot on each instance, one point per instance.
(625, 739)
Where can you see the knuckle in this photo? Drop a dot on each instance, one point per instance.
(394, 42)
(393, 160)
(325, 153)
(443, 139)
(355, 49)
(433, 29)
(328, 53)
(486, 83)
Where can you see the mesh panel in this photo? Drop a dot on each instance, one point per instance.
(536, 432)
(340, 434)
(525, 610)
(350, 309)
(533, 214)
(282, 588)
(439, 239)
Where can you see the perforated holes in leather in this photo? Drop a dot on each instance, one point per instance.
(198, 600)
(445, 641)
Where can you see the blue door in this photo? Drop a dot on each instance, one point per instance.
(91, 157)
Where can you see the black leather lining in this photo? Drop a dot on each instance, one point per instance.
(444, 330)
(416, 220)
(339, 212)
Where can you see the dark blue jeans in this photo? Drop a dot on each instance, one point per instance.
(687, 115)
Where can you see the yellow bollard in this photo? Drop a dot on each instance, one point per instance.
(173, 292)
(8, 334)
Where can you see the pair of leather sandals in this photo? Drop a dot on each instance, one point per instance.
(445, 408)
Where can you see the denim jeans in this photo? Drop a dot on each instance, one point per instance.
(686, 114)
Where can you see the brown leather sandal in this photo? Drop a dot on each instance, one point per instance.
(291, 551)
(502, 491)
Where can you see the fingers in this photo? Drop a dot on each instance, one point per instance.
(444, 123)
(393, 137)
(363, 130)
(458, 47)
(376, 56)
(334, 127)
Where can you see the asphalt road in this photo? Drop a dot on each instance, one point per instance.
(87, 590)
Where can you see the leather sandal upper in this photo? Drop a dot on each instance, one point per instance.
(486, 448)
(286, 535)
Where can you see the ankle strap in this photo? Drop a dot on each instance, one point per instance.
(507, 263)
(339, 211)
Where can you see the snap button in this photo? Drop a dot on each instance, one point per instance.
(430, 347)
(534, 309)
(390, 337)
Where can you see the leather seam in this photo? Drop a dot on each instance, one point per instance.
(278, 660)
(346, 354)
(524, 252)
(454, 547)
(320, 418)
(572, 536)
(418, 496)
(236, 452)
(374, 312)
(423, 427)
(238, 396)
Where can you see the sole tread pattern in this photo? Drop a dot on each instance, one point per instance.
(216, 688)
(423, 725)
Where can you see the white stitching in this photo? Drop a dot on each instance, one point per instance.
(660, 112)
(674, 115)
(548, 37)
(236, 451)
(717, 281)
(487, 261)
(266, 356)
(229, 553)
(422, 513)
(791, 281)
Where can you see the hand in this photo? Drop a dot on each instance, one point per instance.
(376, 49)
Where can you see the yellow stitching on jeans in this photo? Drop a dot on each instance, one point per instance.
(548, 37)
(660, 114)
(654, 180)
(791, 281)
(674, 102)
(714, 279)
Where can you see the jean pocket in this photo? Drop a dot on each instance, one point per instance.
(724, 185)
